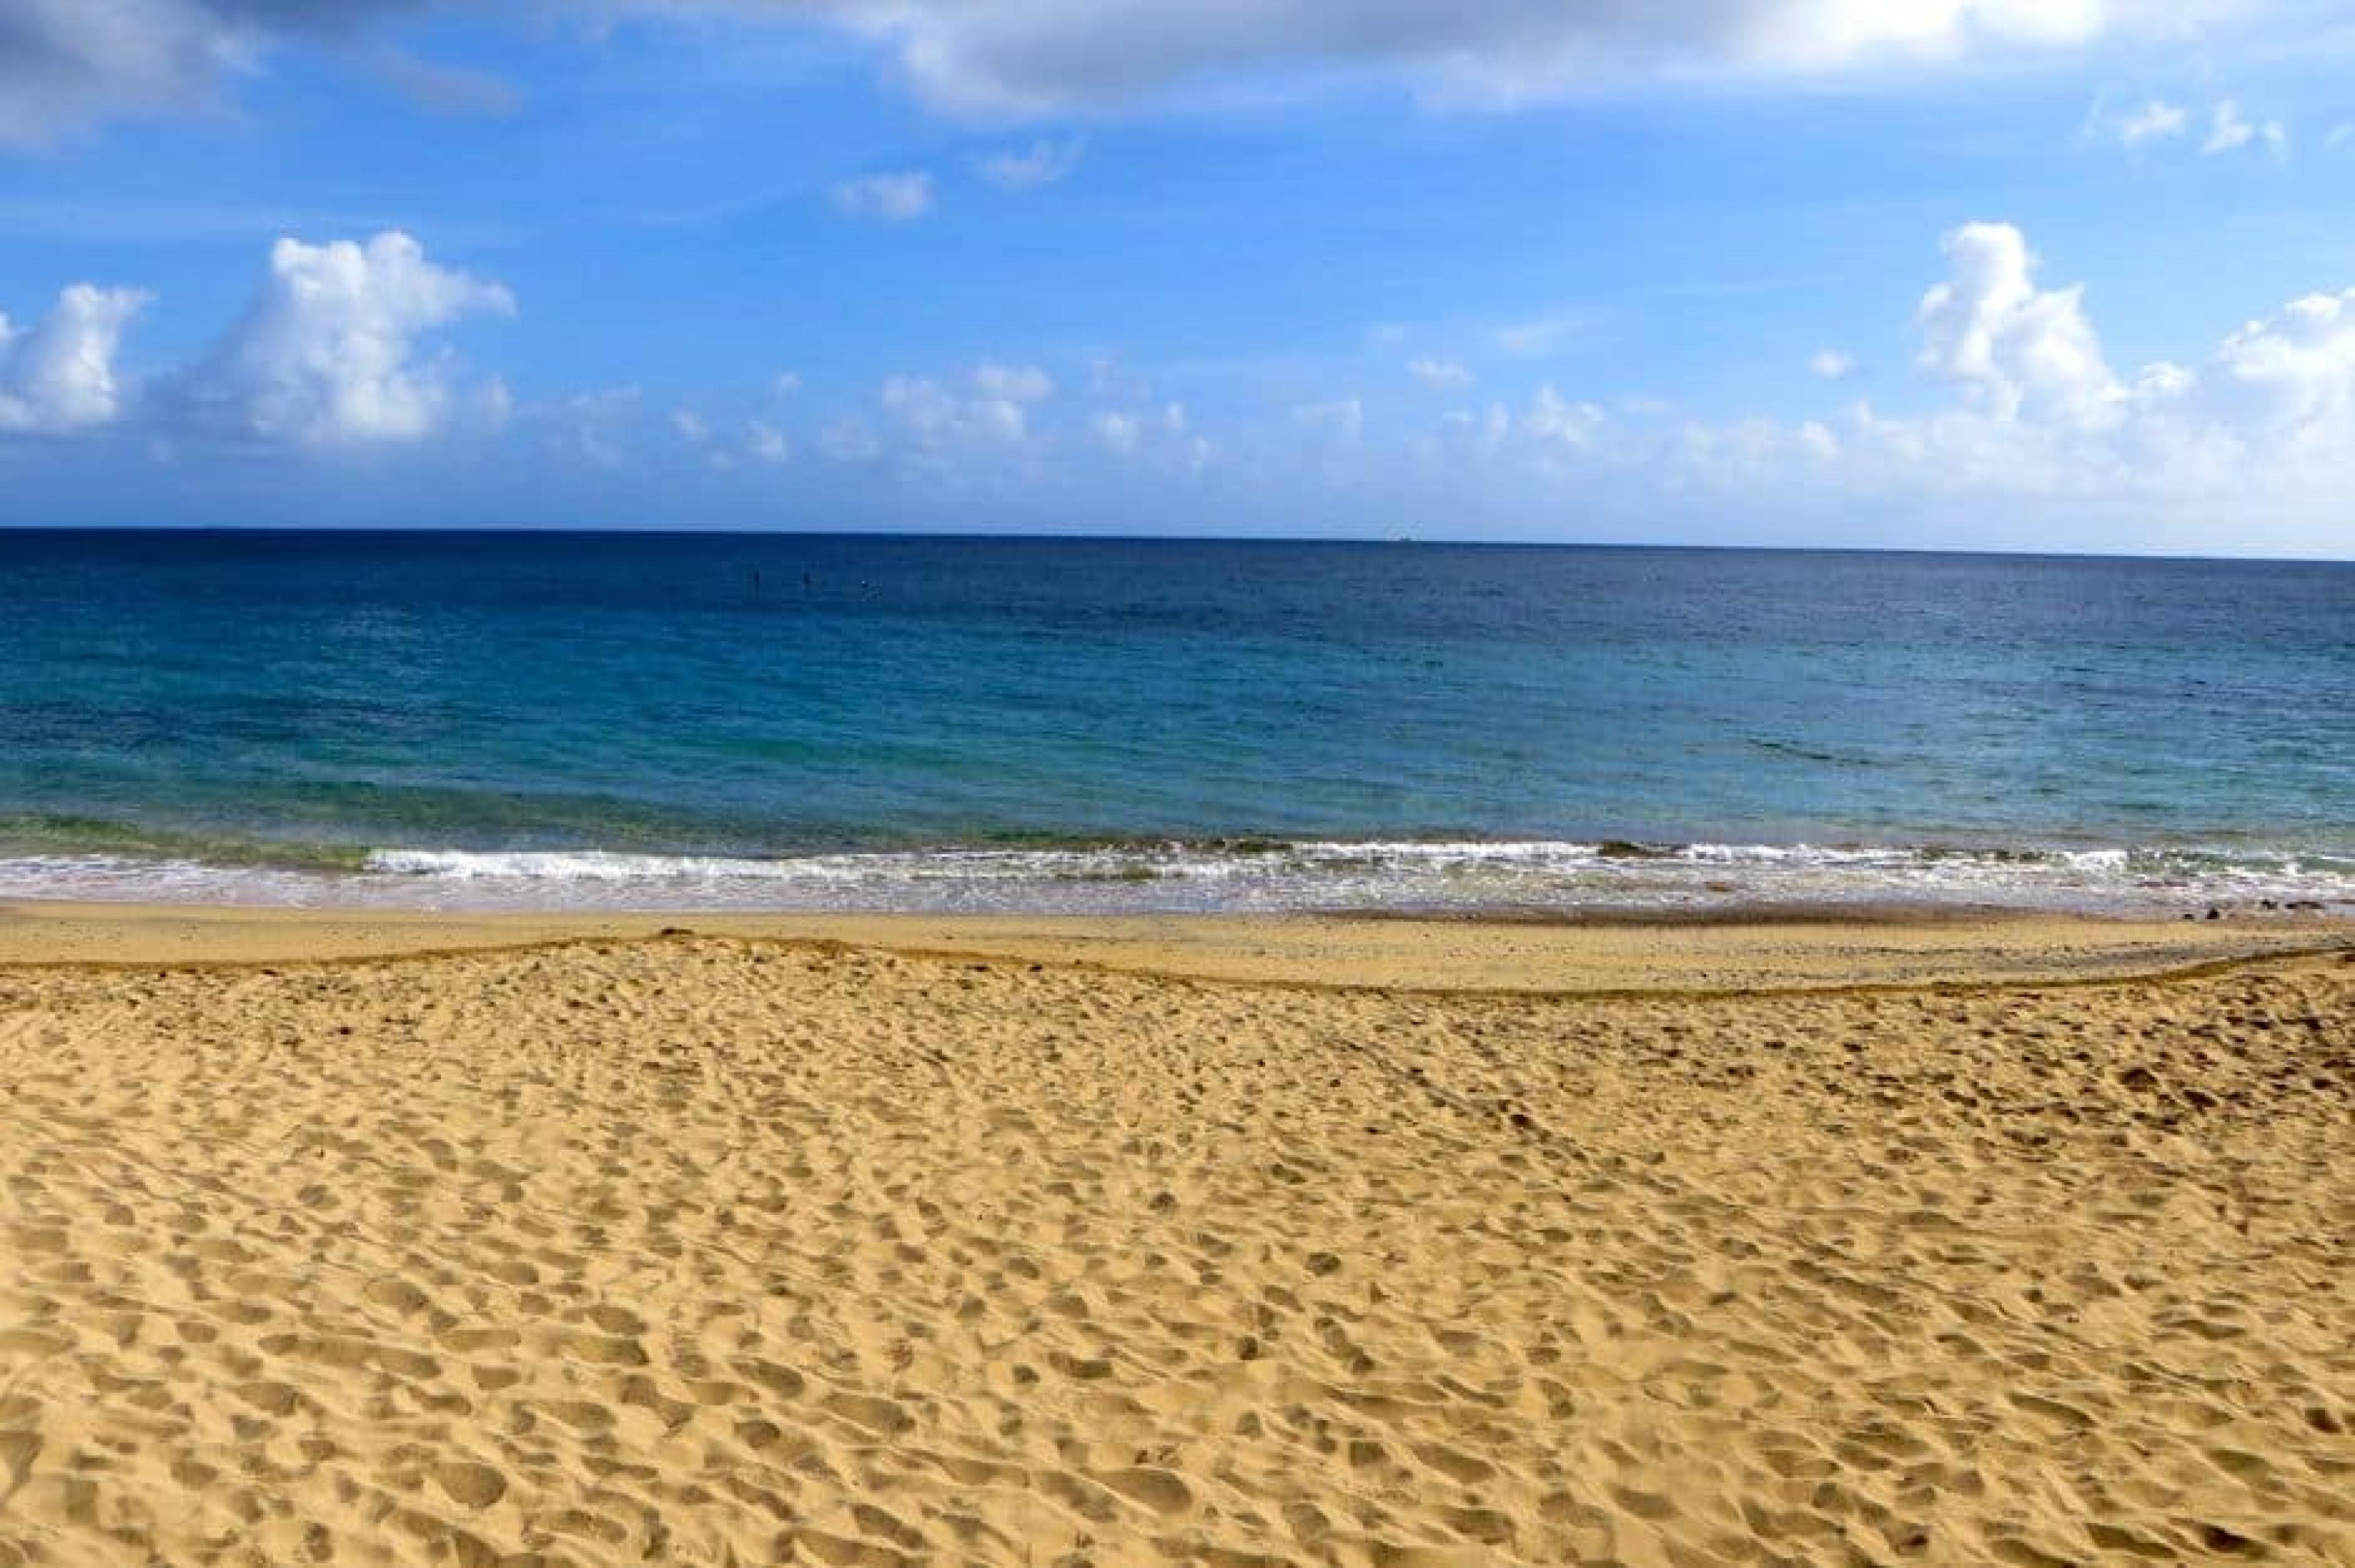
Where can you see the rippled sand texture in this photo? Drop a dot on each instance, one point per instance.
(698, 1251)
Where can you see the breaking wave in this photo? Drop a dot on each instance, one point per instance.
(1245, 875)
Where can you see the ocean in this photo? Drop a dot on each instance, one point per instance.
(832, 722)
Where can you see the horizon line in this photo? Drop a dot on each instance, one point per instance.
(969, 535)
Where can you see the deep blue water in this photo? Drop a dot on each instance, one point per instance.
(835, 722)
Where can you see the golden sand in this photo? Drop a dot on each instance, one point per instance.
(706, 1250)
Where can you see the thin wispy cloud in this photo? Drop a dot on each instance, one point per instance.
(2230, 130)
(889, 198)
(1542, 335)
(1040, 164)
(2154, 121)
(1338, 419)
(442, 89)
(766, 442)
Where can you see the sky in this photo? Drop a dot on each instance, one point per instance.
(1990, 275)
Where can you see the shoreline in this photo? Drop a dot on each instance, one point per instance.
(1411, 877)
(1751, 951)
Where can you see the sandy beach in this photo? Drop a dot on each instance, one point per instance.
(531, 1240)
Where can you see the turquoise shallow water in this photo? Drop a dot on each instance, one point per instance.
(855, 723)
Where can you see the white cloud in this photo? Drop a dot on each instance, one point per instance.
(2015, 347)
(692, 427)
(1052, 55)
(494, 404)
(1484, 433)
(764, 442)
(453, 90)
(58, 377)
(2263, 429)
(66, 64)
(850, 439)
(1041, 164)
(1118, 432)
(1539, 334)
(1342, 420)
(927, 407)
(1832, 365)
(1015, 383)
(2293, 375)
(1160, 437)
(1442, 374)
(327, 354)
(2028, 438)
(1554, 422)
(891, 197)
(587, 425)
(2231, 130)
(2154, 121)
(1551, 433)
(992, 409)
(785, 383)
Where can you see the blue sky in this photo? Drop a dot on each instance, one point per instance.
(1978, 274)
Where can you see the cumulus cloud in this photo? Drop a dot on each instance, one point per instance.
(1041, 164)
(1546, 434)
(990, 409)
(67, 63)
(328, 354)
(2015, 347)
(2292, 374)
(2029, 436)
(892, 198)
(1554, 422)
(58, 377)
(2266, 420)
(1832, 365)
(1161, 438)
